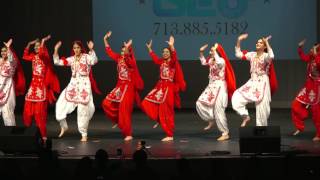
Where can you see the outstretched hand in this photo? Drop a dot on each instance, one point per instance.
(301, 43)
(171, 41)
(46, 38)
(57, 46)
(266, 39)
(8, 43)
(108, 34)
(243, 36)
(149, 45)
(33, 42)
(127, 44)
(203, 48)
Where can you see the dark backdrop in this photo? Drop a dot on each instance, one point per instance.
(68, 20)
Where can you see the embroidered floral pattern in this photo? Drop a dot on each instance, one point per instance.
(117, 93)
(257, 93)
(246, 89)
(37, 91)
(84, 94)
(123, 71)
(312, 96)
(166, 72)
(72, 93)
(159, 94)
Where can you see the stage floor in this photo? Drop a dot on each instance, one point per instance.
(190, 141)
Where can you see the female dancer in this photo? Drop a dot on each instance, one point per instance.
(259, 88)
(43, 85)
(118, 104)
(213, 101)
(159, 103)
(78, 93)
(309, 95)
(12, 83)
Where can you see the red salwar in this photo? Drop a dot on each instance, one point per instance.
(43, 85)
(160, 102)
(118, 104)
(309, 95)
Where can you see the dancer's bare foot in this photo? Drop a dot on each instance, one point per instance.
(155, 125)
(62, 131)
(166, 139)
(84, 139)
(128, 138)
(316, 139)
(114, 126)
(44, 142)
(245, 120)
(210, 124)
(297, 132)
(223, 137)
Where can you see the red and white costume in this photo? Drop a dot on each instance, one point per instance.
(309, 95)
(214, 99)
(78, 92)
(259, 88)
(160, 102)
(43, 85)
(118, 104)
(12, 83)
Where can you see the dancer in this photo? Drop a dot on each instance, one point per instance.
(118, 104)
(43, 85)
(12, 83)
(78, 93)
(160, 102)
(213, 101)
(309, 96)
(260, 86)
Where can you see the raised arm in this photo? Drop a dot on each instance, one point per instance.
(10, 53)
(303, 56)
(57, 61)
(92, 57)
(174, 57)
(269, 49)
(238, 51)
(26, 54)
(44, 40)
(109, 51)
(129, 54)
(155, 58)
(201, 56)
(153, 55)
(43, 51)
(171, 43)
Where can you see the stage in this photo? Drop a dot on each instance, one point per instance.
(207, 157)
(190, 140)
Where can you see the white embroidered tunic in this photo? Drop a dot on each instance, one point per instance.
(254, 89)
(216, 79)
(79, 87)
(7, 70)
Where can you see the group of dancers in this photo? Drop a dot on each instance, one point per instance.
(160, 102)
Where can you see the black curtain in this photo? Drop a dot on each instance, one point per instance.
(65, 20)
